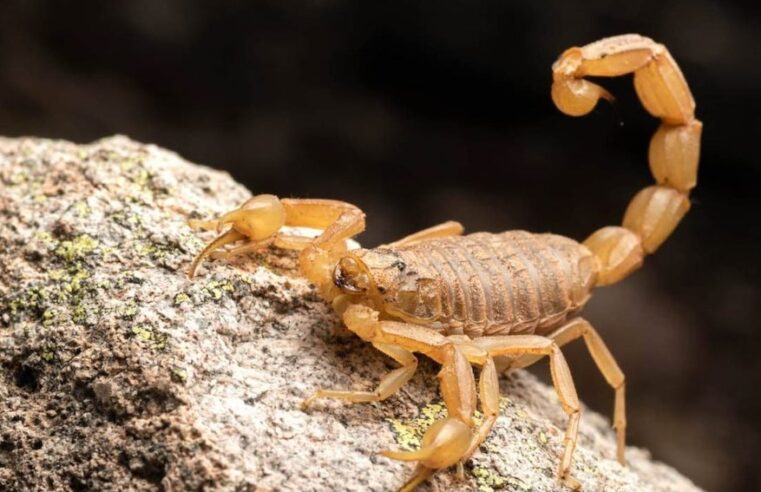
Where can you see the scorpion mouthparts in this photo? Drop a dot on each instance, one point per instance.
(339, 278)
(343, 282)
(349, 277)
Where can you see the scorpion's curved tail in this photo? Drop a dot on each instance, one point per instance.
(674, 149)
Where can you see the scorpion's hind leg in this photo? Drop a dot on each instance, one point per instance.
(517, 345)
(606, 364)
(445, 229)
(389, 385)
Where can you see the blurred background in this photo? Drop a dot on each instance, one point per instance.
(425, 111)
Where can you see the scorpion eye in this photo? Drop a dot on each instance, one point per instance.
(351, 276)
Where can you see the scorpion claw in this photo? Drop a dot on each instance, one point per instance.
(443, 445)
(258, 221)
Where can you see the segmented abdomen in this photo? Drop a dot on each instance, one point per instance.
(513, 282)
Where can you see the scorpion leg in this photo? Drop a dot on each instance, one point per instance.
(488, 389)
(389, 385)
(606, 364)
(447, 440)
(488, 385)
(449, 228)
(561, 378)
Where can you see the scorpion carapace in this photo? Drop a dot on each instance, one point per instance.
(491, 299)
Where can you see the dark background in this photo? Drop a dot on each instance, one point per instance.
(425, 111)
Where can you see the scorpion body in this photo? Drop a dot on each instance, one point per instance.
(485, 284)
(486, 299)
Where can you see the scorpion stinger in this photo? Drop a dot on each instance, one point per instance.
(674, 149)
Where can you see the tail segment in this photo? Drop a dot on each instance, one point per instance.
(656, 210)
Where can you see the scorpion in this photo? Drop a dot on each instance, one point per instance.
(495, 301)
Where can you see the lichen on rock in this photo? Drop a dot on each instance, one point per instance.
(119, 373)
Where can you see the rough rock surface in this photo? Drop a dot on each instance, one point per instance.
(119, 373)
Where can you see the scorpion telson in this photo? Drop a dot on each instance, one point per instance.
(484, 299)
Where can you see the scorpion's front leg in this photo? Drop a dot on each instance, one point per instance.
(448, 440)
(389, 385)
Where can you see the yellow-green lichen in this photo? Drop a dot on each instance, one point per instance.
(180, 298)
(131, 222)
(154, 251)
(48, 317)
(146, 249)
(408, 433)
(128, 310)
(78, 314)
(73, 282)
(16, 305)
(44, 237)
(488, 481)
(148, 335)
(217, 289)
(18, 178)
(542, 438)
(47, 356)
(77, 248)
(143, 333)
(83, 209)
(64, 297)
(128, 163)
(180, 374)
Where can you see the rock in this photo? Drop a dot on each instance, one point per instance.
(119, 373)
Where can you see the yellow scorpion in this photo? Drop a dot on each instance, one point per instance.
(492, 300)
